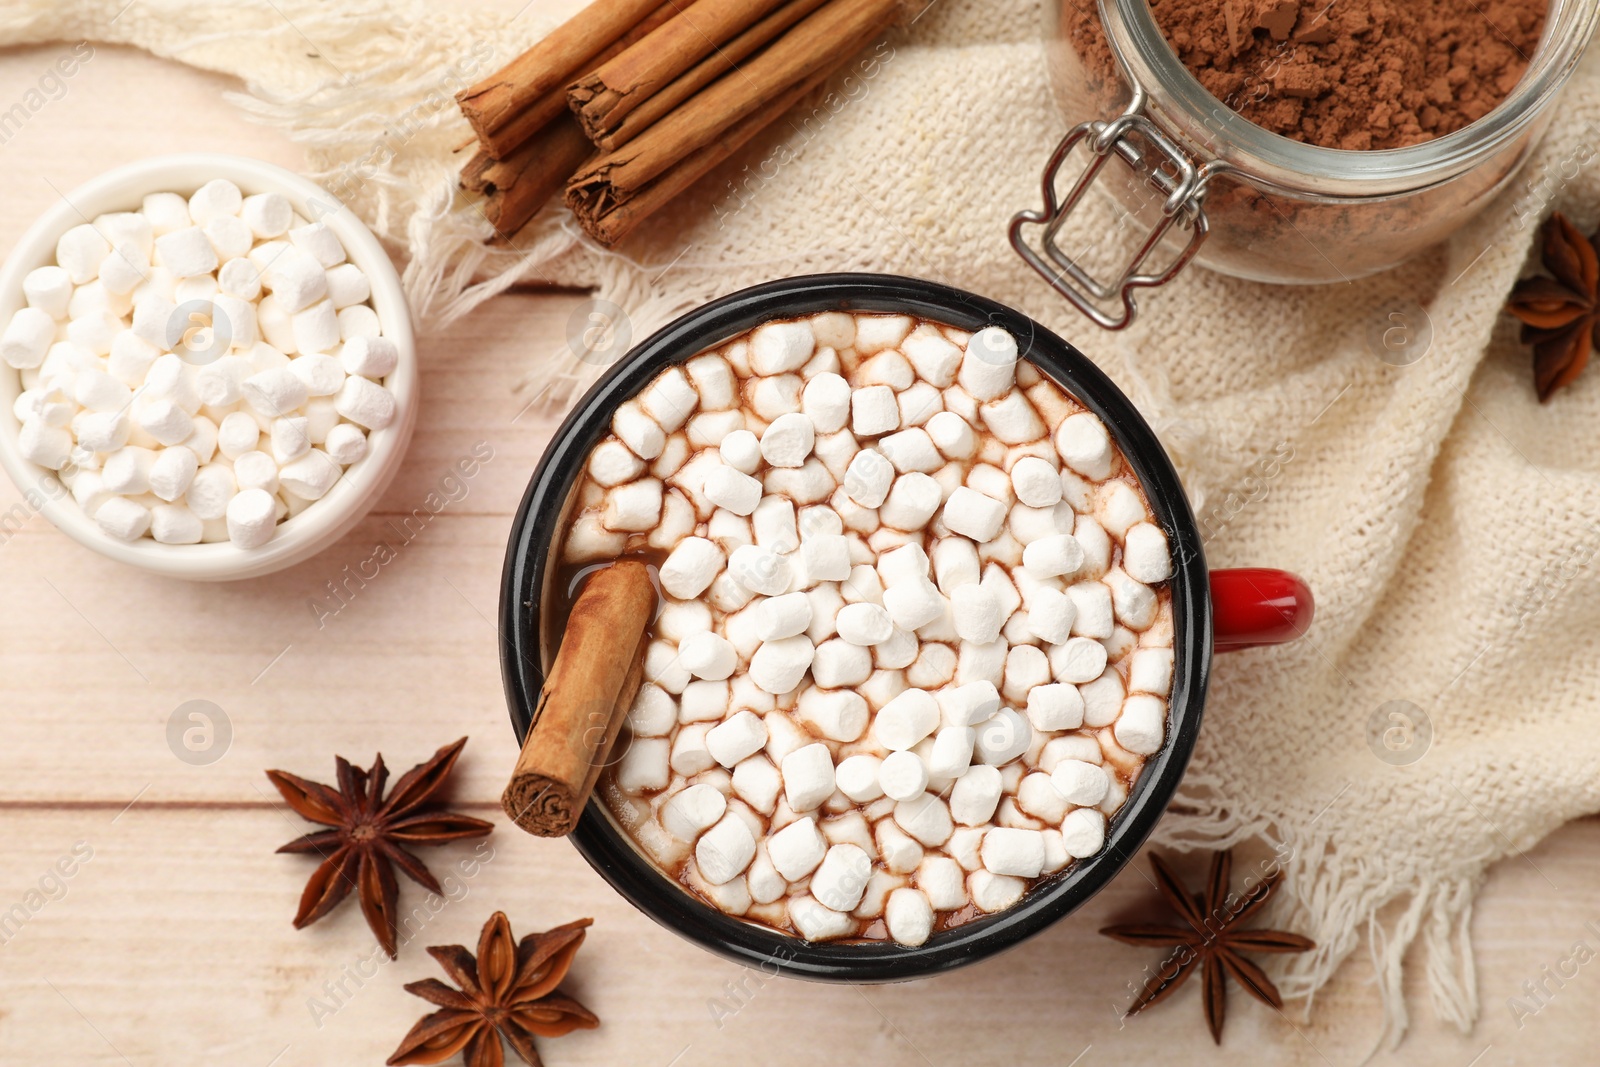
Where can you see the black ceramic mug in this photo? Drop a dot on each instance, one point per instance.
(1211, 611)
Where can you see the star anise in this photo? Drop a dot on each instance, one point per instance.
(369, 833)
(1212, 938)
(508, 991)
(1561, 314)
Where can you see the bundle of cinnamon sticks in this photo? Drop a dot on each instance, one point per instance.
(630, 102)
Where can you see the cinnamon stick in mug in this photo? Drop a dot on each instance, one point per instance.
(604, 96)
(584, 700)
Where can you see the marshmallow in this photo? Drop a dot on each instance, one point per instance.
(774, 524)
(908, 917)
(359, 323)
(1119, 506)
(826, 402)
(771, 397)
(690, 567)
(1151, 671)
(810, 483)
(1133, 603)
(905, 720)
(757, 782)
(49, 289)
(610, 464)
(122, 270)
(919, 403)
(653, 713)
(886, 368)
(760, 570)
(703, 700)
(1002, 738)
(864, 624)
(1096, 545)
(1019, 853)
(689, 754)
(1056, 706)
(710, 656)
(740, 736)
(1051, 614)
(974, 514)
(122, 518)
(807, 777)
(944, 883)
(839, 714)
(215, 199)
(1011, 419)
(814, 922)
(725, 850)
(874, 411)
(826, 557)
(952, 436)
(279, 392)
(988, 367)
(842, 878)
(644, 767)
(931, 353)
(728, 488)
(1083, 832)
(857, 778)
(1036, 481)
(1092, 600)
(252, 516)
(903, 775)
(1102, 699)
(780, 347)
(690, 812)
(27, 338)
(900, 852)
(706, 429)
(48, 446)
(315, 327)
(955, 563)
(172, 472)
(1026, 667)
(360, 400)
(1145, 555)
(912, 603)
(1084, 445)
(634, 507)
(981, 663)
(1141, 728)
(174, 524)
(187, 253)
(994, 892)
(868, 478)
(912, 501)
(1080, 782)
(267, 214)
(1078, 660)
(80, 251)
(838, 664)
(951, 753)
(925, 818)
(783, 616)
(210, 490)
(788, 440)
(975, 795)
(377, 357)
(739, 449)
(778, 666)
(911, 450)
(316, 241)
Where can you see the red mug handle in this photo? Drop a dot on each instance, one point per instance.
(1254, 606)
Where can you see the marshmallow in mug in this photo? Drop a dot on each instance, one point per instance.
(199, 369)
(916, 641)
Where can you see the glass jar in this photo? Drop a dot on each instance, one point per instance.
(1202, 184)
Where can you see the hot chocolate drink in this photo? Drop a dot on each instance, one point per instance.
(914, 642)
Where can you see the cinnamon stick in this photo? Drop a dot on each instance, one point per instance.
(812, 50)
(553, 104)
(604, 97)
(583, 702)
(618, 133)
(515, 188)
(546, 68)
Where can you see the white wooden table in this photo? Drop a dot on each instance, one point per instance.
(172, 944)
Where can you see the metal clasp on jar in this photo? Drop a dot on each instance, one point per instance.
(1165, 165)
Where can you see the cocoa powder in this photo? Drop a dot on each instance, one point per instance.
(1351, 74)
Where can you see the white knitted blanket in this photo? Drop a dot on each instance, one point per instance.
(1445, 519)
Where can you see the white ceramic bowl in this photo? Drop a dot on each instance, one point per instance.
(322, 522)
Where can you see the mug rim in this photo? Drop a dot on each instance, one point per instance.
(631, 872)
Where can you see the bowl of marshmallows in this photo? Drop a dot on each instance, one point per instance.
(207, 367)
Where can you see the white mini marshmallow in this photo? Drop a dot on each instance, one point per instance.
(692, 811)
(172, 472)
(778, 666)
(252, 517)
(1080, 782)
(241, 278)
(1056, 706)
(758, 783)
(974, 514)
(710, 656)
(783, 616)
(1141, 728)
(874, 411)
(363, 402)
(994, 892)
(1095, 617)
(690, 567)
(1151, 671)
(654, 712)
(316, 241)
(771, 397)
(377, 357)
(609, 464)
(280, 392)
(788, 440)
(237, 434)
(728, 488)
(228, 234)
(913, 603)
(1051, 614)
(644, 766)
(1011, 419)
(345, 443)
(814, 922)
(267, 214)
(210, 490)
(725, 850)
(123, 270)
(903, 775)
(975, 795)
(842, 877)
(837, 714)
(256, 470)
(826, 557)
(1085, 446)
(1002, 738)
(908, 916)
(912, 501)
(807, 778)
(826, 402)
(906, 719)
(124, 519)
(857, 778)
(49, 289)
(702, 700)
(1037, 482)
(780, 347)
(951, 753)
(868, 478)
(742, 735)
(80, 251)
(911, 450)
(1083, 832)
(27, 338)
(1134, 603)
(215, 199)
(864, 623)
(989, 366)
(740, 449)
(1078, 660)
(347, 285)
(315, 327)
(810, 483)
(925, 818)
(774, 524)
(1019, 853)
(1145, 555)
(838, 664)
(187, 253)
(1102, 699)
(48, 446)
(289, 440)
(975, 611)
(952, 435)
(174, 524)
